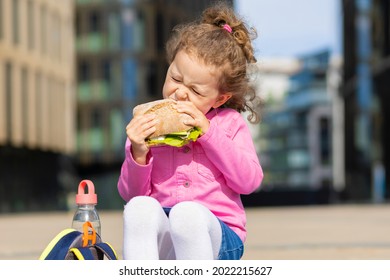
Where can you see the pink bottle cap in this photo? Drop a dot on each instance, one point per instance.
(86, 198)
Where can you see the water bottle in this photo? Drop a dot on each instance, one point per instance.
(86, 211)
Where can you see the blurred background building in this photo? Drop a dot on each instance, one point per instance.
(72, 70)
(365, 88)
(294, 141)
(70, 73)
(120, 63)
(37, 103)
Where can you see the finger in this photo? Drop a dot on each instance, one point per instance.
(140, 127)
(187, 108)
(197, 118)
(139, 121)
(147, 132)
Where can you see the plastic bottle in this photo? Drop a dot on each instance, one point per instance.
(86, 210)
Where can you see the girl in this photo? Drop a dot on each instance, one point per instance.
(184, 203)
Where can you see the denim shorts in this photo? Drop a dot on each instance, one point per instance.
(232, 247)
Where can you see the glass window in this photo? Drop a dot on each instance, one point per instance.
(49, 95)
(116, 128)
(132, 29)
(80, 130)
(106, 69)
(298, 158)
(59, 38)
(325, 142)
(84, 77)
(95, 39)
(38, 110)
(30, 23)
(127, 28)
(77, 25)
(84, 72)
(114, 31)
(94, 22)
(97, 118)
(24, 101)
(8, 100)
(152, 86)
(159, 29)
(139, 32)
(130, 85)
(116, 79)
(96, 134)
(298, 179)
(15, 21)
(1, 20)
(43, 29)
(55, 36)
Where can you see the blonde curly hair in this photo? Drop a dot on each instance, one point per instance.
(232, 52)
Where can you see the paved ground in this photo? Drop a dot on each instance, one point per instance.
(342, 232)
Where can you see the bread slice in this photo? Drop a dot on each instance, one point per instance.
(168, 119)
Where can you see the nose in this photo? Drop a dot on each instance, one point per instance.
(181, 95)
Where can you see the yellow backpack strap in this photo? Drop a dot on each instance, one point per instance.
(70, 244)
(58, 247)
(81, 254)
(99, 251)
(74, 254)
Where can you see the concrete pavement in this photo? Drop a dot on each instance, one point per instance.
(336, 232)
(348, 232)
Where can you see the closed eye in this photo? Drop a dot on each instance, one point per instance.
(196, 92)
(176, 80)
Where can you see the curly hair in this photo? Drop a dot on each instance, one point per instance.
(231, 52)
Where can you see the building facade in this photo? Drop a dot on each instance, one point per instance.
(366, 76)
(120, 63)
(70, 73)
(295, 138)
(37, 102)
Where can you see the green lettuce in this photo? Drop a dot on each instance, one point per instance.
(177, 139)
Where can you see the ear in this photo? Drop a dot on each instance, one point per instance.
(222, 98)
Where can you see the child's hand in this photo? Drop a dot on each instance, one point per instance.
(198, 118)
(139, 128)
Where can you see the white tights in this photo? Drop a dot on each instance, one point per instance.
(190, 232)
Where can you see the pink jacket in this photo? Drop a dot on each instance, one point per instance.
(213, 171)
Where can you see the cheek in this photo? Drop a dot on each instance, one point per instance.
(166, 89)
(203, 107)
(164, 94)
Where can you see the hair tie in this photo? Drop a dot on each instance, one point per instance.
(227, 28)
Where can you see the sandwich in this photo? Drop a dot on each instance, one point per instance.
(170, 128)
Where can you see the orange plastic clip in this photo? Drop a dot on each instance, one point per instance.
(89, 234)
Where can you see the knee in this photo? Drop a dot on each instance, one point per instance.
(139, 207)
(187, 217)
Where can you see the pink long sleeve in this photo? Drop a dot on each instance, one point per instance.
(214, 171)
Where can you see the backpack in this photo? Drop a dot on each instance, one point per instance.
(71, 244)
